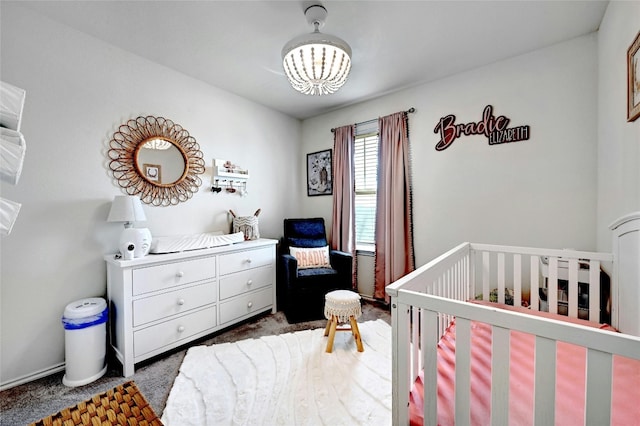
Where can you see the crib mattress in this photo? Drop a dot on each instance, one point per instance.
(570, 380)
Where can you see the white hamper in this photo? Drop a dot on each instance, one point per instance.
(85, 333)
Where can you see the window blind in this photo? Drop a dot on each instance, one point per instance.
(366, 181)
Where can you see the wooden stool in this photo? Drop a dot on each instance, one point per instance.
(341, 306)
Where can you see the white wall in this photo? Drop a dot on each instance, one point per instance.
(540, 192)
(79, 90)
(618, 140)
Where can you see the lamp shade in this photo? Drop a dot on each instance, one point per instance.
(134, 242)
(126, 208)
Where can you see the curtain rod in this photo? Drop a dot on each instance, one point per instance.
(409, 111)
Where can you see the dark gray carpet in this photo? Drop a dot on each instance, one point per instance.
(33, 401)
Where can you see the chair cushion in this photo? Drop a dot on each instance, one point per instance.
(316, 272)
(315, 257)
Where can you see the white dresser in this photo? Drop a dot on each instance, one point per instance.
(162, 301)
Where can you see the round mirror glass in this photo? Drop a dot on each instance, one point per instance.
(160, 162)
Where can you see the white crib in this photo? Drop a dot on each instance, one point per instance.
(425, 302)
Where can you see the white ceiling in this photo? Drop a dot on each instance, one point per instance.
(235, 45)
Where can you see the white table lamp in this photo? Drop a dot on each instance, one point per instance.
(134, 242)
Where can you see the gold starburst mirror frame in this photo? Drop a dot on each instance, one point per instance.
(156, 159)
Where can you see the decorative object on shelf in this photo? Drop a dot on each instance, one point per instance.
(316, 63)
(319, 173)
(164, 146)
(633, 80)
(128, 209)
(229, 177)
(248, 225)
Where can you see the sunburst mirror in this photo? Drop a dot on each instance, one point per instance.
(156, 159)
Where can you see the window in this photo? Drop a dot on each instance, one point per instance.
(366, 182)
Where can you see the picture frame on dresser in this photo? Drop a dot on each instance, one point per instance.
(633, 79)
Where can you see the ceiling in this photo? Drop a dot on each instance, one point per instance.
(236, 45)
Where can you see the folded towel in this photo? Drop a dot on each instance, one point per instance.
(11, 105)
(8, 214)
(12, 151)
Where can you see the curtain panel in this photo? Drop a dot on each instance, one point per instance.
(343, 228)
(394, 223)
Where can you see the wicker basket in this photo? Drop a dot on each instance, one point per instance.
(122, 405)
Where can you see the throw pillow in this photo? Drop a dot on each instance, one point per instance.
(315, 257)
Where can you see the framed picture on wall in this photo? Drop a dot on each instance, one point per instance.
(319, 173)
(633, 80)
(153, 172)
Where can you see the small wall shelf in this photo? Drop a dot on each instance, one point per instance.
(229, 177)
(221, 174)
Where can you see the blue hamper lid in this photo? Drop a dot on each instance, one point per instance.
(85, 313)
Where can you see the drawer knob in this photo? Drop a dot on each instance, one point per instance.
(248, 261)
(181, 329)
(249, 305)
(249, 282)
(179, 274)
(180, 302)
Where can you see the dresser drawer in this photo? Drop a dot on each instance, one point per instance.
(242, 282)
(167, 304)
(243, 305)
(243, 260)
(173, 331)
(169, 275)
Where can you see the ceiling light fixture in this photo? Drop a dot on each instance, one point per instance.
(316, 63)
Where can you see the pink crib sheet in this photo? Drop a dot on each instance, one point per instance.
(570, 381)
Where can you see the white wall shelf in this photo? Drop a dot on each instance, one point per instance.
(229, 177)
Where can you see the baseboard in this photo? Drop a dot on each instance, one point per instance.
(31, 377)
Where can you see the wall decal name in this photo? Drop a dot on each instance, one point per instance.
(494, 128)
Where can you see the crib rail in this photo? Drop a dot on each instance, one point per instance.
(425, 301)
(525, 271)
(601, 346)
(446, 276)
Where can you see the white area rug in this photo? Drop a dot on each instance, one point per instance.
(287, 379)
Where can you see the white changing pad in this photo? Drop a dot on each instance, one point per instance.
(193, 242)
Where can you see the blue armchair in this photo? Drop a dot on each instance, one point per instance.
(301, 291)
